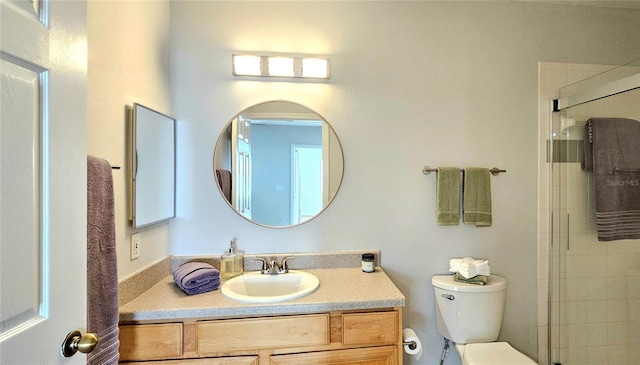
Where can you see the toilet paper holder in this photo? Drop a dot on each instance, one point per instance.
(412, 344)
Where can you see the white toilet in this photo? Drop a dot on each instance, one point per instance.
(471, 316)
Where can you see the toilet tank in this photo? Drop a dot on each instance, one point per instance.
(469, 313)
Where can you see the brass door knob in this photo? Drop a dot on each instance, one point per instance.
(75, 342)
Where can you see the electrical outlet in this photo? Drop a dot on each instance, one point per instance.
(135, 246)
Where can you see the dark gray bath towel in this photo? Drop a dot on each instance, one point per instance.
(102, 269)
(612, 151)
(224, 181)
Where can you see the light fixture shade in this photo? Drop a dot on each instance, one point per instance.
(280, 66)
(315, 68)
(248, 65)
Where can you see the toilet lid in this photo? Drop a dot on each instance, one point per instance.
(494, 353)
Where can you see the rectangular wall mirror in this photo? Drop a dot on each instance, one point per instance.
(152, 166)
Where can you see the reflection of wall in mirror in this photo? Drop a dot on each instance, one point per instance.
(271, 145)
(332, 163)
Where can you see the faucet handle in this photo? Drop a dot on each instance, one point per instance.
(265, 264)
(284, 268)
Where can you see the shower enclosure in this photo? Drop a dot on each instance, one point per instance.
(594, 286)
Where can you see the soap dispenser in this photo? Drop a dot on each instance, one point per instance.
(232, 262)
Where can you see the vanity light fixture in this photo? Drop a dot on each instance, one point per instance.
(307, 67)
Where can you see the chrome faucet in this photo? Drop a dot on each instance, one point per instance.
(272, 267)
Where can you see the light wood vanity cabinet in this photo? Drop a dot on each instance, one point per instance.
(372, 337)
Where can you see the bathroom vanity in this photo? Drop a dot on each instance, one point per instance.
(352, 318)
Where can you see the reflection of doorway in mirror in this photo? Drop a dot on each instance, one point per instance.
(306, 176)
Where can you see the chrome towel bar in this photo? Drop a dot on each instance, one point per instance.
(494, 171)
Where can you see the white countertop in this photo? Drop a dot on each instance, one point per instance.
(340, 289)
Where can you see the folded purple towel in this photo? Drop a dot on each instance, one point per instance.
(196, 277)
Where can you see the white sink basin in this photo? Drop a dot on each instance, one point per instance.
(255, 287)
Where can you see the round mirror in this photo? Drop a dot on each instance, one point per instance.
(278, 164)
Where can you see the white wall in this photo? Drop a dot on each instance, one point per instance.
(128, 45)
(412, 84)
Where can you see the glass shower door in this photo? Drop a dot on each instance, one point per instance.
(595, 286)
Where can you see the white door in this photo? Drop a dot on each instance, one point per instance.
(43, 55)
(307, 188)
(241, 166)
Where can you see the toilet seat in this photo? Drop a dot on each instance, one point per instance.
(493, 353)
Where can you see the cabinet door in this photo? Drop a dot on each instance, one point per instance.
(374, 329)
(386, 355)
(150, 341)
(240, 360)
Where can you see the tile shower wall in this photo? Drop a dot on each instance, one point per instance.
(595, 286)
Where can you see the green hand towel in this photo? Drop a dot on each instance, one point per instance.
(477, 197)
(476, 280)
(448, 183)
